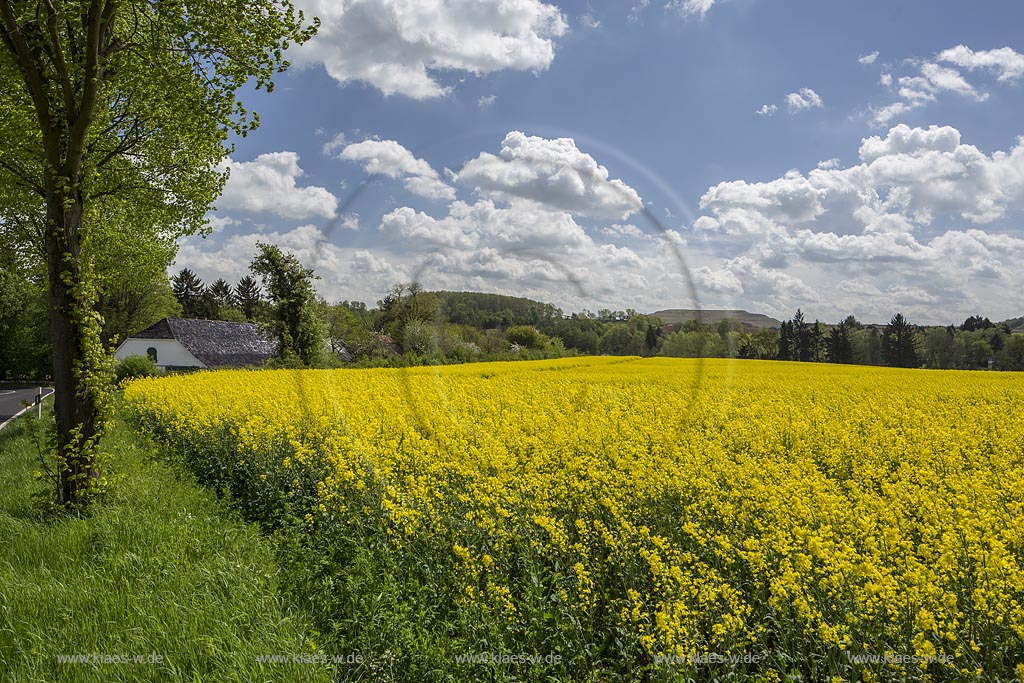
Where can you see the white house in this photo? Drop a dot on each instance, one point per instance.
(184, 343)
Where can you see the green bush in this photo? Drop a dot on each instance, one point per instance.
(131, 367)
(525, 337)
(419, 338)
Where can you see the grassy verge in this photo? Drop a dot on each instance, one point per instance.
(161, 570)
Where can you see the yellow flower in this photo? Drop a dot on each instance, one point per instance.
(687, 502)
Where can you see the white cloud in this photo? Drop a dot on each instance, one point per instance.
(933, 79)
(887, 113)
(903, 140)
(624, 230)
(349, 221)
(803, 99)
(218, 223)
(553, 173)
(869, 58)
(691, 8)
(345, 273)
(918, 91)
(767, 110)
(487, 100)
(588, 20)
(634, 12)
(874, 221)
(334, 144)
(267, 184)
(399, 46)
(943, 78)
(526, 246)
(911, 175)
(1007, 63)
(521, 225)
(389, 158)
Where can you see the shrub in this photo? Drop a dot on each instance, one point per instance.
(419, 338)
(525, 336)
(131, 367)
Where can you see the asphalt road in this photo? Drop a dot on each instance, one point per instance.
(10, 401)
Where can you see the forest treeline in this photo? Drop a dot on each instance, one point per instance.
(412, 326)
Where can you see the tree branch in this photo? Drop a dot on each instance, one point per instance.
(99, 22)
(57, 55)
(33, 74)
(24, 176)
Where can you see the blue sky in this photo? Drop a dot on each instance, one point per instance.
(841, 157)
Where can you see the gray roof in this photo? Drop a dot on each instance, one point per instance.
(216, 343)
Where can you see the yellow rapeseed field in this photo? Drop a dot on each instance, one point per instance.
(843, 523)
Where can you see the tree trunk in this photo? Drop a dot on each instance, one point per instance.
(75, 406)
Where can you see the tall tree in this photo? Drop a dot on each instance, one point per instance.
(899, 343)
(787, 344)
(248, 297)
(867, 346)
(299, 329)
(939, 347)
(115, 113)
(976, 322)
(840, 348)
(407, 303)
(347, 329)
(221, 293)
(189, 290)
(803, 336)
(128, 307)
(651, 338)
(817, 342)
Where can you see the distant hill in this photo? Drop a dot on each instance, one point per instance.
(682, 315)
(493, 310)
(1015, 324)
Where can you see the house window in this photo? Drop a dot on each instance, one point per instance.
(151, 352)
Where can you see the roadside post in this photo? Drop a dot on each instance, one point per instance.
(39, 403)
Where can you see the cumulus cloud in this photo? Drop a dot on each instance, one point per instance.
(911, 174)
(933, 79)
(390, 159)
(524, 241)
(521, 224)
(941, 79)
(268, 184)
(331, 147)
(345, 273)
(874, 220)
(691, 8)
(1005, 62)
(767, 110)
(917, 91)
(803, 99)
(869, 58)
(624, 230)
(553, 173)
(399, 46)
(349, 221)
(487, 100)
(218, 223)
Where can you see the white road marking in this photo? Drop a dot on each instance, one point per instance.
(49, 392)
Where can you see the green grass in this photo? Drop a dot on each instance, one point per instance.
(160, 567)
